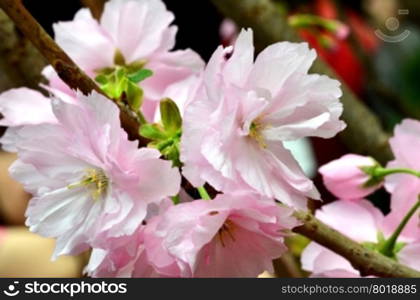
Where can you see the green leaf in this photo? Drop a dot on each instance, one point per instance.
(120, 74)
(170, 115)
(153, 132)
(140, 75)
(134, 95)
(102, 79)
(136, 65)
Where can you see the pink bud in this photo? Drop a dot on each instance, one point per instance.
(228, 32)
(345, 179)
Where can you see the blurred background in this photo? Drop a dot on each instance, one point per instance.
(373, 46)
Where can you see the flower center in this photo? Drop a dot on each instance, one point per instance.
(95, 181)
(255, 133)
(227, 229)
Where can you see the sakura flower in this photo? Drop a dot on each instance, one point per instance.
(89, 182)
(362, 222)
(125, 256)
(346, 180)
(233, 132)
(108, 264)
(119, 258)
(20, 107)
(405, 188)
(134, 34)
(234, 235)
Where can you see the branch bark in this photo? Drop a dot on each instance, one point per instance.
(364, 133)
(20, 62)
(68, 71)
(368, 262)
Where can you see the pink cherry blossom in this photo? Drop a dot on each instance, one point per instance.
(89, 183)
(121, 258)
(125, 256)
(235, 235)
(234, 129)
(21, 107)
(138, 29)
(362, 222)
(404, 188)
(345, 179)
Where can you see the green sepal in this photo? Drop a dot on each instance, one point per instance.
(134, 95)
(170, 115)
(153, 132)
(119, 59)
(102, 79)
(140, 75)
(172, 153)
(176, 200)
(375, 178)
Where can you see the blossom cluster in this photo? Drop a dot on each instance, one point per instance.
(212, 192)
(353, 177)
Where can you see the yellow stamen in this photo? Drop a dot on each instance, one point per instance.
(95, 181)
(227, 228)
(255, 133)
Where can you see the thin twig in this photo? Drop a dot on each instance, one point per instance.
(68, 71)
(368, 262)
(364, 133)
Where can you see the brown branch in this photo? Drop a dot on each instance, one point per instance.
(20, 62)
(96, 7)
(287, 266)
(368, 262)
(364, 133)
(68, 71)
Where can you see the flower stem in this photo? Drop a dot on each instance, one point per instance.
(388, 248)
(382, 172)
(203, 193)
(307, 20)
